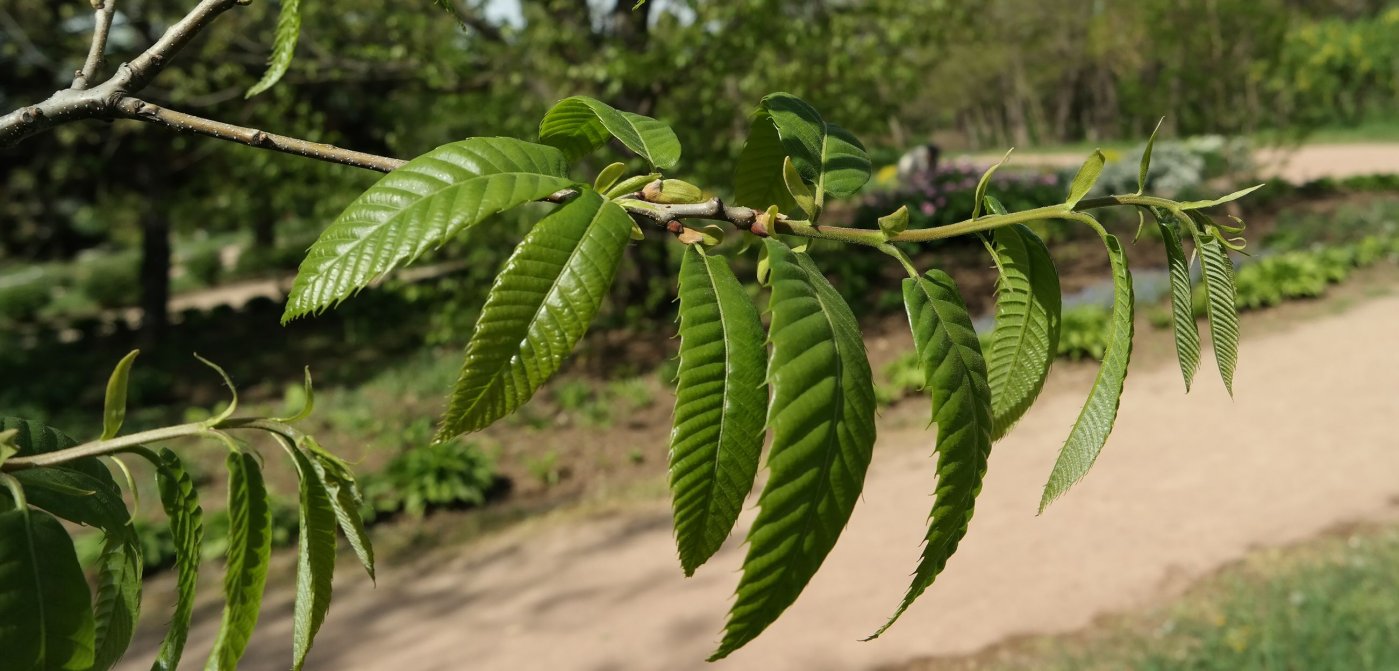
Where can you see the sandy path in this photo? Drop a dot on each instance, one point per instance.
(1186, 484)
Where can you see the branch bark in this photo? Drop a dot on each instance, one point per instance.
(97, 52)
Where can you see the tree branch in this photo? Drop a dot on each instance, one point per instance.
(97, 52)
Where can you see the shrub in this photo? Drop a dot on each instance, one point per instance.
(204, 265)
(111, 281)
(25, 293)
(422, 479)
(946, 194)
(1083, 332)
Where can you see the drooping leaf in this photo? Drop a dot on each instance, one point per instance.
(249, 547)
(118, 604)
(1144, 169)
(1203, 204)
(1099, 413)
(283, 47)
(1187, 332)
(580, 125)
(345, 499)
(315, 564)
(1219, 299)
(538, 309)
(825, 154)
(758, 176)
(1025, 339)
(950, 355)
(1087, 176)
(418, 206)
(46, 620)
(114, 407)
(181, 502)
(822, 421)
(720, 406)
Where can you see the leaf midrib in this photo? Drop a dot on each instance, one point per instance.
(724, 417)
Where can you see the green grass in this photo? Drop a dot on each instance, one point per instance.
(1330, 605)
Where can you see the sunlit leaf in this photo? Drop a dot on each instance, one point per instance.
(538, 310)
(1219, 299)
(114, 407)
(1187, 332)
(580, 125)
(822, 422)
(283, 46)
(249, 547)
(720, 406)
(345, 499)
(416, 208)
(1203, 204)
(950, 355)
(1144, 169)
(315, 562)
(1025, 339)
(1085, 179)
(984, 182)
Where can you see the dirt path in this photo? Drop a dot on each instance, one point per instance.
(1186, 484)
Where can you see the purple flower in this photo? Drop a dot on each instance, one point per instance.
(928, 208)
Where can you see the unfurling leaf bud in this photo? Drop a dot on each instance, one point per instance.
(894, 223)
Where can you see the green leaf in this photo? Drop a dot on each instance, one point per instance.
(538, 310)
(46, 620)
(1203, 204)
(800, 192)
(1087, 176)
(1219, 297)
(1187, 332)
(418, 206)
(720, 403)
(181, 502)
(76, 496)
(345, 499)
(607, 177)
(118, 605)
(822, 421)
(114, 408)
(985, 181)
(950, 355)
(825, 154)
(249, 547)
(1099, 413)
(315, 563)
(580, 125)
(34, 438)
(758, 181)
(283, 46)
(1145, 168)
(1025, 339)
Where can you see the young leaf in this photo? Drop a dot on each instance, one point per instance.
(249, 547)
(46, 617)
(1187, 332)
(824, 153)
(894, 223)
(418, 206)
(1099, 413)
(1145, 168)
(1087, 176)
(538, 309)
(1025, 339)
(580, 125)
(118, 604)
(800, 192)
(822, 421)
(114, 408)
(950, 355)
(315, 562)
(181, 502)
(345, 499)
(283, 47)
(1203, 204)
(1219, 296)
(720, 406)
(985, 181)
(758, 181)
(608, 177)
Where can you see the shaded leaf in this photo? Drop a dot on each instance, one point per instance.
(580, 125)
(538, 309)
(118, 604)
(1187, 332)
(345, 499)
(1099, 413)
(825, 154)
(416, 208)
(1025, 339)
(46, 620)
(249, 547)
(315, 564)
(1219, 299)
(822, 421)
(950, 356)
(758, 176)
(283, 47)
(720, 406)
(181, 502)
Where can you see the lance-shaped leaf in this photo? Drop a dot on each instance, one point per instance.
(984, 182)
(118, 604)
(1087, 176)
(1025, 339)
(1219, 299)
(418, 206)
(249, 546)
(758, 176)
(1099, 413)
(1187, 332)
(345, 499)
(950, 355)
(822, 421)
(181, 503)
(825, 154)
(1202, 204)
(538, 310)
(315, 562)
(580, 125)
(46, 620)
(720, 405)
(1144, 168)
(114, 407)
(283, 46)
